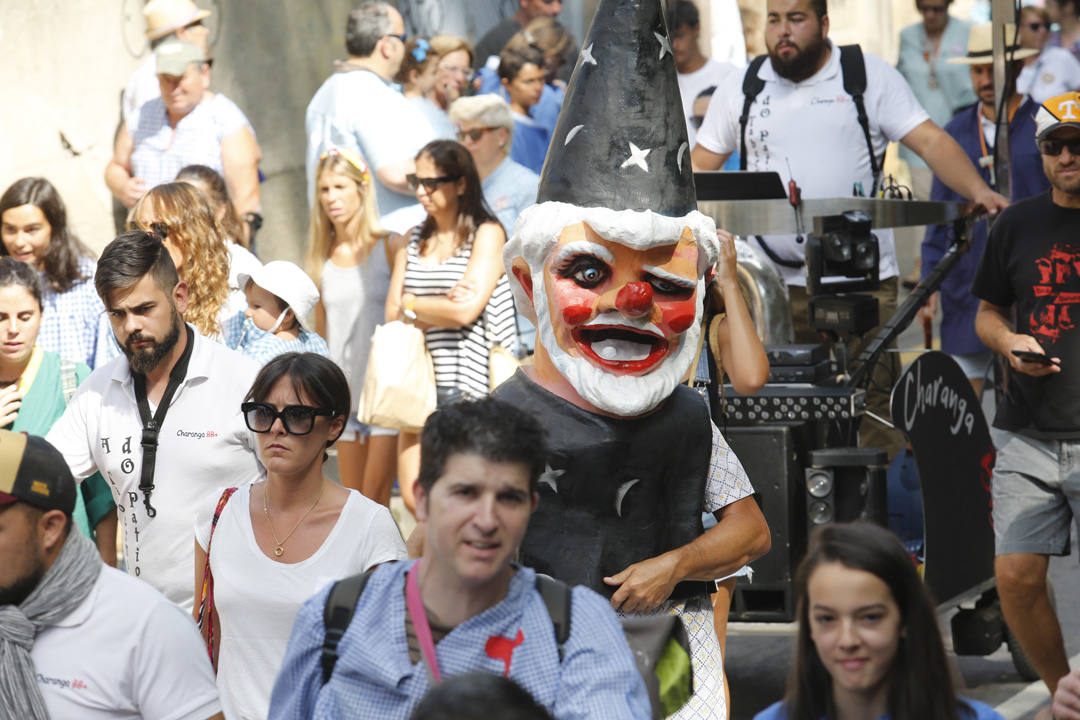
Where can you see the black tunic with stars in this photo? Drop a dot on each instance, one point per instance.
(617, 490)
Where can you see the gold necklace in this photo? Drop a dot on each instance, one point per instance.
(279, 550)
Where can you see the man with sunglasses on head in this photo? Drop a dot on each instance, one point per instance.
(1030, 271)
(358, 108)
(162, 422)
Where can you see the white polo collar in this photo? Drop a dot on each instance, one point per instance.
(198, 366)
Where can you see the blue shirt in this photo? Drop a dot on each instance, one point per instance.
(530, 144)
(958, 305)
(74, 324)
(509, 189)
(240, 333)
(979, 711)
(373, 677)
(545, 111)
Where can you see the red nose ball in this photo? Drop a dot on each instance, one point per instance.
(635, 298)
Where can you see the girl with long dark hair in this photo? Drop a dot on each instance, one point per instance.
(868, 646)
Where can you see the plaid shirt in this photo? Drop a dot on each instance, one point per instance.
(240, 333)
(74, 324)
(374, 678)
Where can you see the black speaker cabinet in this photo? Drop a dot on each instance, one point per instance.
(774, 457)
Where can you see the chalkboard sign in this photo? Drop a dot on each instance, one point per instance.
(935, 406)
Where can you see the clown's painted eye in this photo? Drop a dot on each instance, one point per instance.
(669, 288)
(585, 270)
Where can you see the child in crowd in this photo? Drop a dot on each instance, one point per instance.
(279, 294)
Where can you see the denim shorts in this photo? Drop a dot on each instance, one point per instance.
(356, 430)
(1036, 492)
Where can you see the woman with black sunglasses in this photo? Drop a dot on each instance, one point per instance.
(448, 279)
(1054, 70)
(275, 543)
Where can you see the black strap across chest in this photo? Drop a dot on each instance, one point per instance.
(152, 425)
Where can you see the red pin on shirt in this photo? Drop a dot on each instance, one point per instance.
(500, 648)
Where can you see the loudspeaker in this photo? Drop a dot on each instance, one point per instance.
(774, 457)
(846, 484)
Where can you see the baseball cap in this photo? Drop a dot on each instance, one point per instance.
(173, 56)
(288, 282)
(1058, 111)
(168, 16)
(34, 472)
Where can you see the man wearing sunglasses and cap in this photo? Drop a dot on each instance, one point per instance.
(161, 422)
(1030, 270)
(79, 638)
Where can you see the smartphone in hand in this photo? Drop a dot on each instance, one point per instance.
(1034, 357)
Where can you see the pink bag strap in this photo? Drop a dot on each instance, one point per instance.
(206, 601)
(418, 615)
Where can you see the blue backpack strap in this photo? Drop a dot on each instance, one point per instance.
(752, 86)
(853, 69)
(557, 599)
(338, 613)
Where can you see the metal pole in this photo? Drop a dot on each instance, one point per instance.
(1002, 12)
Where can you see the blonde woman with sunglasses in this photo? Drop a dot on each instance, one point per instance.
(348, 260)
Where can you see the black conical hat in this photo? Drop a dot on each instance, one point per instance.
(620, 142)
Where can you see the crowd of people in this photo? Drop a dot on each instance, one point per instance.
(181, 388)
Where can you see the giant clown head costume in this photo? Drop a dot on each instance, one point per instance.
(613, 259)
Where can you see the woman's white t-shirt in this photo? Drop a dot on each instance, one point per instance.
(257, 598)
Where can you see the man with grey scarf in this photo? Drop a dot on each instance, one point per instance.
(78, 638)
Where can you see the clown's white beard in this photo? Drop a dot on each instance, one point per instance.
(626, 395)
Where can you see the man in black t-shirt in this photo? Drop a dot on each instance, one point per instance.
(1030, 271)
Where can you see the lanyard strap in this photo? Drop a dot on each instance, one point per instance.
(418, 615)
(152, 425)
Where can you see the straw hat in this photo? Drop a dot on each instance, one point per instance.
(168, 16)
(981, 46)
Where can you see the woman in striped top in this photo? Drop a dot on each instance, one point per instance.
(448, 278)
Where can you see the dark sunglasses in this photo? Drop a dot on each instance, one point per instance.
(1037, 26)
(296, 419)
(429, 183)
(696, 121)
(550, 2)
(475, 134)
(1053, 148)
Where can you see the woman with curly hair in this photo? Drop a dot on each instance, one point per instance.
(34, 229)
(181, 216)
(349, 261)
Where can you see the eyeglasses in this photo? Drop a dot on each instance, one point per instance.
(458, 70)
(429, 183)
(1037, 26)
(402, 37)
(197, 23)
(475, 134)
(696, 121)
(296, 419)
(1053, 148)
(551, 2)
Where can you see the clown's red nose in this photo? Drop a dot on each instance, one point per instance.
(635, 299)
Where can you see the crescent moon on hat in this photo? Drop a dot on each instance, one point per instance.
(621, 493)
(682, 151)
(570, 135)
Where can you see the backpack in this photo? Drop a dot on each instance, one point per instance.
(660, 644)
(853, 70)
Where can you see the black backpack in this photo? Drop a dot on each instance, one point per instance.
(658, 642)
(853, 70)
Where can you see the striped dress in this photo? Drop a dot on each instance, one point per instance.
(460, 355)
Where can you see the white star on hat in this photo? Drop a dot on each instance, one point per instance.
(550, 477)
(665, 45)
(587, 56)
(637, 157)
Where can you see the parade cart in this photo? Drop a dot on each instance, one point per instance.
(796, 437)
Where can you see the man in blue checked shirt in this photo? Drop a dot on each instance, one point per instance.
(464, 606)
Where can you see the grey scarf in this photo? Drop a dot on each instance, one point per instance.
(63, 588)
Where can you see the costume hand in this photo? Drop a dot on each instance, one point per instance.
(132, 191)
(644, 585)
(10, 402)
(1034, 369)
(726, 259)
(1067, 698)
(987, 198)
(463, 291)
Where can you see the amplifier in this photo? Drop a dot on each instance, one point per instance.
(787, 355)
(800, 373)
(793, 403)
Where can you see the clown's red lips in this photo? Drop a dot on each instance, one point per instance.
(621, 349)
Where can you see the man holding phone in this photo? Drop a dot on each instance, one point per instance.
(1030, 271)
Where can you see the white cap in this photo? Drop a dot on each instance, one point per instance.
(288, 282)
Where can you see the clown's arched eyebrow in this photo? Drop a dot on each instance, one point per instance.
(582, 247)
(671, 277)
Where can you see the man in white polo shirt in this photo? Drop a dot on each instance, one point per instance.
(804, 125)
(190, 390)
(79, 639)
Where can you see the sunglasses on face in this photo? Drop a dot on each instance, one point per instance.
(475, 134)
(429, 183)
(1053, 148)
(296, 419)
(696, 121)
